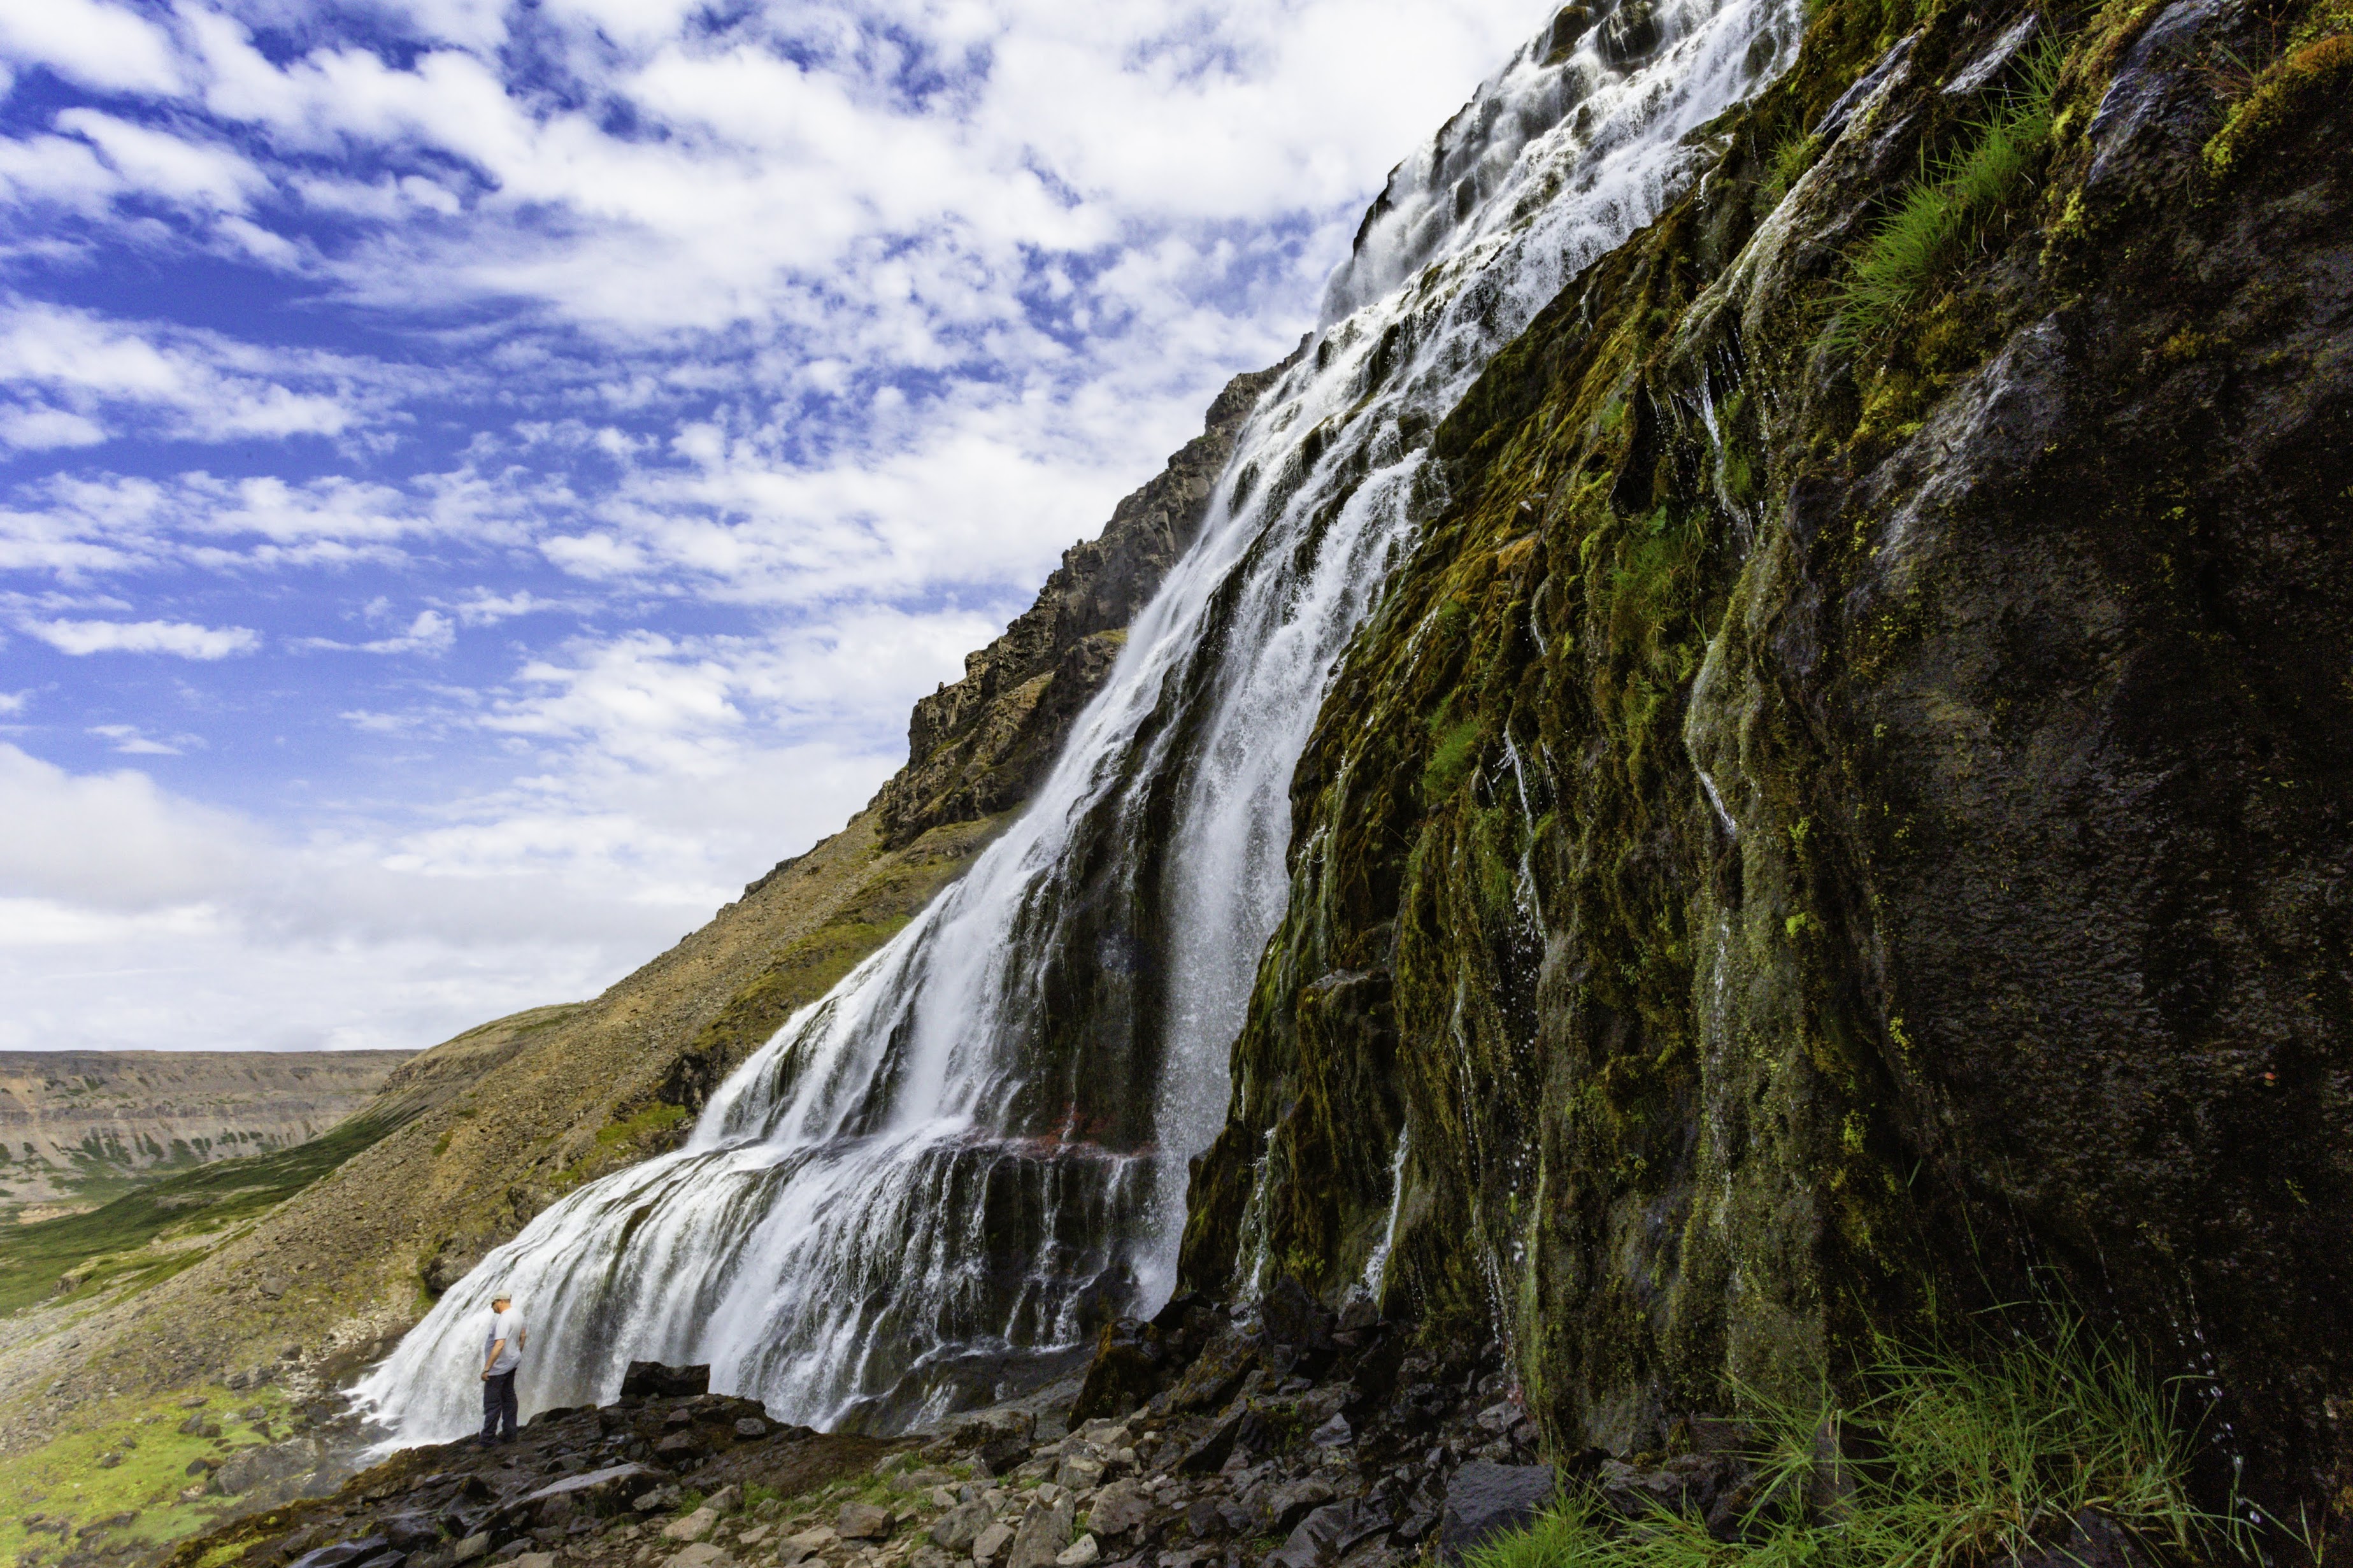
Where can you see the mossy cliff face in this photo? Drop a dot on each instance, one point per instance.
(1843, 811)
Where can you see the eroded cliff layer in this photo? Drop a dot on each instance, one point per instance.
(79, 1126)
(1848, 806)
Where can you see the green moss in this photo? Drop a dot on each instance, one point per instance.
(653, 1119)
(2301, 85)
(62, 1478)
(1450, 760)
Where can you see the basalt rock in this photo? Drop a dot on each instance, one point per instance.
(653, 1380)
(1485, 1500)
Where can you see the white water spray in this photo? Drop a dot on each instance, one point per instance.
(976, 1144)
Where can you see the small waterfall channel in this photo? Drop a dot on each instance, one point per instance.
(930, 1185)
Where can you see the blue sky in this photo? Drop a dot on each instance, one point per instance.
(479, 482)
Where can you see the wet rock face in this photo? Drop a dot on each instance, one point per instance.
(653, 1380)
(1486, 1501)
(1816, 830)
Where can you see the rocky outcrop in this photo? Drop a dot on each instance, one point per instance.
(1845, 815)
(978, 746)
(78, 1127)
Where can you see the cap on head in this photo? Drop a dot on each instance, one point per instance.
(501, 1299)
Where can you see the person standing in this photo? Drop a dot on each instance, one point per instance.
(502, 1354)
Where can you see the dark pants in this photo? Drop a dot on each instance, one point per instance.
(498, 1406)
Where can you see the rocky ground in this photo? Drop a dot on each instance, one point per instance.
(1291, 1439)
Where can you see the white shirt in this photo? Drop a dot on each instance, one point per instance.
(507, 1326)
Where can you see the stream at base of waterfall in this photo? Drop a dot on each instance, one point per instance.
(940, 1177)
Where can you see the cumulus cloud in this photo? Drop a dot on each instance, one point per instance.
(176, 638)
(99, 46)
(74, 373)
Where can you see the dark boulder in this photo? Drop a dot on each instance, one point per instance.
(1486, 1501)
(1125, 1371)
(653, 1380)
(410, 1532)
(1297, 1327)
(340, 1553)
(679, 1447)
(1207, 1455)
(1328, 1534)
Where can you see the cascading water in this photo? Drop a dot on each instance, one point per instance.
(976, 1146)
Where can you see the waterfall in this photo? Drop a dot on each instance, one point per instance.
(944, 1174)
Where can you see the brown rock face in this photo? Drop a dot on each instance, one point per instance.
(978, 746)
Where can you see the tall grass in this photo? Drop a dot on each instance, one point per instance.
(1945, 1459)
(1952, 205)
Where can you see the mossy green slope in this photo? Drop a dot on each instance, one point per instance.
(1828, 819)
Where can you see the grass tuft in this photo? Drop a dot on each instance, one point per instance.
(1951, 207)
(1786, 166)
(1450, 761)
(1947, 1460)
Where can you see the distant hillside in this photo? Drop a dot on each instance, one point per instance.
(78, 1127)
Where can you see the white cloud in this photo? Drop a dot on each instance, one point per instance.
(99, 46)
(131, 917)
(129, 741)
(177, 637)
(481, 607)
(430, 633)
(55, 172)
(36, 429)
(192, 386)
(114, 842)
(205, 176)
(79, 527)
